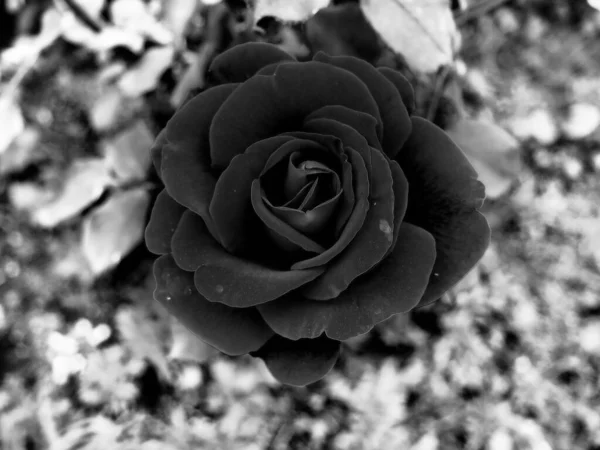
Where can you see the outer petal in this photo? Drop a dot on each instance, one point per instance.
(401, 188)
(394, 116)
(300, 362)
(403, 86)
(361, 123)
(243, 61)
(395, 286)
(231, 330)
(266, 105)
(224, 278)
(156, 150)
(443, 198)
(164, 218)
(186, 160)
(230, 207)
(371, 243)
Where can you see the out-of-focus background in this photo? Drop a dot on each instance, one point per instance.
(508, 360)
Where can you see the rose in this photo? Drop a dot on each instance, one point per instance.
(303, 205)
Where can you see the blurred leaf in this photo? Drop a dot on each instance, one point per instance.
(11, 119)
(74, 31)
(144, 75)
(83, 184)
(22, 152)
(291, 42)
(186, 346)
(139, 432)
(112, 37)
(424, 32)
(111, 108)
(128, 153)
(28, 196)
(26, 49)
(105, 111)
(143, 337)
(134, 15)
(193, 77)
(106, 39)
(343, 30)
(287, 11)
(493, 152)
(93, 8)
(177, 14)
(114, 229)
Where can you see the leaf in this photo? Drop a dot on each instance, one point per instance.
(185, 346)
(128, 153)
(177, 14)
(135, 16)
(11, 119)
(92, 8)
(493, 152)
(287, 11)
(112, 37)
(423, 31)
(343, 30)
(22, 152)
(145, 74)
(84, 183)
(28, 196)
(143, 337)
(104, 113)
(114, 229)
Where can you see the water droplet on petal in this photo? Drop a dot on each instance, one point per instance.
(219, 289)
(168, 298)
(387, 229)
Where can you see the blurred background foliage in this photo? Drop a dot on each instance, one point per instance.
(508, 360)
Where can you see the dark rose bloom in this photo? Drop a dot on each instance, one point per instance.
(303, 204)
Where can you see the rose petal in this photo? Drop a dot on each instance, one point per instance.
(443, 198)
(298, 172)
(395, 121)
(360, 123)
(225, 278)
(300, 197)
(347, 200)
(156, 150)
(164, 218)
(403, 86)
(401, 188)
(185, 163)
(270, 69)
(300, 362)
(371, 243)
(287, 233)
(350, 138)
(231, 207)
(241, 62)
(311, 221)
(233, 331)
(356, 220)
(329, 140)
(266, 105)
(395, 286)
(276, 180)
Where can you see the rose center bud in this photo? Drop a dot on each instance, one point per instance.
(303, 192)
